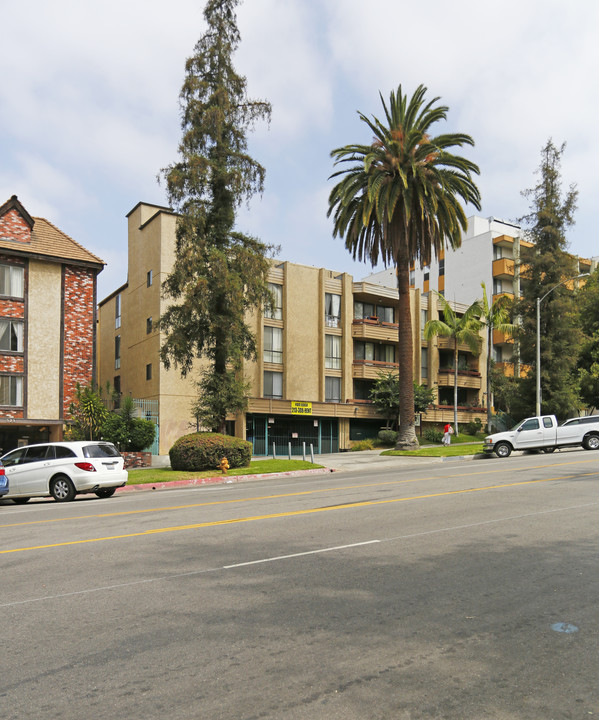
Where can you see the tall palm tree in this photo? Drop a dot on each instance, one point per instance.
(495, 316)
(462, 329)
(398, 201)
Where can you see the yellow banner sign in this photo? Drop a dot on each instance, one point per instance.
(301, 408)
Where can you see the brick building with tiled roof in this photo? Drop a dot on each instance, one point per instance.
(47, 325)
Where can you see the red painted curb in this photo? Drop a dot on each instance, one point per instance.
(222, 479)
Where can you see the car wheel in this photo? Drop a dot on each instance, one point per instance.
(503, 450)
(20, 501)
(105, 492)
(591, 442)
(61, 489)
(549, 450)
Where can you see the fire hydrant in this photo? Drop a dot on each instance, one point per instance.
(224, 465)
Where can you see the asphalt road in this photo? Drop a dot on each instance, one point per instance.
(455, 590)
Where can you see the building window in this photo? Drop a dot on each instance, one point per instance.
(273, 345)
(497, 252)
(441, 267)
(424, 363)
(11, 281)
(273, 385)
(362, 389)
(117, 352)
(276, 312)
(11, 390)
(11, 335)
(332, 389)
(423, 321)
(149, 278)
(149, 371)
(497, 287)
(498, 353)
(366, 310)
(332, 310)
(426, 271)
(332, 352)
(148, 325)
(116, 384)
(117, 311)
(363, 310)
(374, 351)
(412, 278)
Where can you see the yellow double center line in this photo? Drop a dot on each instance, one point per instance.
(288, 514)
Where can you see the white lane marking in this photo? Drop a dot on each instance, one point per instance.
(191, 573)
(302, 554)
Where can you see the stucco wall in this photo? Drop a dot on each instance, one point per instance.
(43, 340)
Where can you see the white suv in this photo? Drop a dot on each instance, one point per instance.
(63, 469)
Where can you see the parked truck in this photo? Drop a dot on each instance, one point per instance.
(543, 433)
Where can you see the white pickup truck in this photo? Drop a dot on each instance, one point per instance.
(543, 433)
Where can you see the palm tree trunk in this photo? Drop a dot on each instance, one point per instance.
(455, 387)
(406, 439)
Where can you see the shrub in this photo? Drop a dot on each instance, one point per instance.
(205, 450)
(141, 434)
(473, 427)
(433, 435)
(367, 444)
(128, 434)
(388, 437)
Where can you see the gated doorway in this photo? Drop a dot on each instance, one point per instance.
(264, 430)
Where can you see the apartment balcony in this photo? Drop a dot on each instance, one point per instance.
(374, 329)
(509, 295)
(447, 343)
(466, 378)
(444, 414)
(503, 268)
(371, 369)
(501, 338)
(504, 241)
(508, 369)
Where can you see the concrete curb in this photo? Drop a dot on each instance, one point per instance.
(222, 480)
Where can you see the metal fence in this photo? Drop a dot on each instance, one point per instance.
(148, 409)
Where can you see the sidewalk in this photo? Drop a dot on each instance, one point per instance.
(334, 462)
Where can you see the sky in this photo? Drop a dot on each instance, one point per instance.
(89, 106)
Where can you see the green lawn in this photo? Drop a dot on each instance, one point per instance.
(157, 475)
(455, 449)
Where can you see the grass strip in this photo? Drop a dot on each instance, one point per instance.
(139, 476)
(439, 451)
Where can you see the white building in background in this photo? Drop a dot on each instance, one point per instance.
(489, 253)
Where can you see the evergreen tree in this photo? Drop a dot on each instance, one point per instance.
(219, 274)
(542, 267)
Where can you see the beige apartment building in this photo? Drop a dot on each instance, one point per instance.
(320, 351)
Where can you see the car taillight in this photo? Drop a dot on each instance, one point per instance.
(2, 470)
(85, 466)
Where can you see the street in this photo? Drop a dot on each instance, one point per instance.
(446, 590)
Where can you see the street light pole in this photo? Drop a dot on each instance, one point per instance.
(539, 301)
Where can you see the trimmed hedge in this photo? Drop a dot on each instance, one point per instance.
(205, 450)
(388, 437)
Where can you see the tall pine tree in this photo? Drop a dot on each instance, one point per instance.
(543, 266)
(219, 273)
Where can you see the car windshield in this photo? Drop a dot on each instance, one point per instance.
(100, 450)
